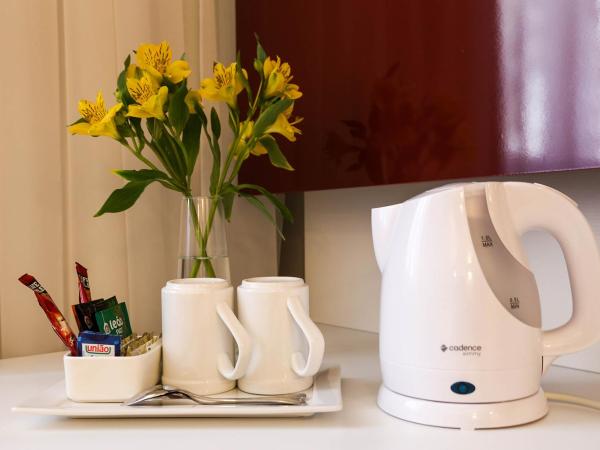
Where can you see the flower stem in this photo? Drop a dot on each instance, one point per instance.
(201, 239)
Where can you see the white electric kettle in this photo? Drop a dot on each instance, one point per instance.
(461, 343)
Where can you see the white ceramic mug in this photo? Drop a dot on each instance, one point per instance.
(198, 325)
(287, 346)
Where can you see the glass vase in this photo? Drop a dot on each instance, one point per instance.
(202, 239)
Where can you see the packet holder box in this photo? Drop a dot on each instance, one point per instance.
(111, 379)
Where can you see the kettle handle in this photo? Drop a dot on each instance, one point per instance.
(535, 206)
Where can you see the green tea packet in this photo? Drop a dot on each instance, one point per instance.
(114, 320)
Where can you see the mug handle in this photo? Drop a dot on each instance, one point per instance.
(243, 341)
(316, 343)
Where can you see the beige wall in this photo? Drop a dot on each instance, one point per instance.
(344, 279)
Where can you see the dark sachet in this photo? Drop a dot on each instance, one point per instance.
(85, 295)
(85, 313)
(58, 321)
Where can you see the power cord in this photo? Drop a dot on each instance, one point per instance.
(572, 399)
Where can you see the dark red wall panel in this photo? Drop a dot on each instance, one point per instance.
(413, 90)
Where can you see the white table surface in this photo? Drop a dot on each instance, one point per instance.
(361, 425)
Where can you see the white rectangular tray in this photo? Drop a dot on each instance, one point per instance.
(324, 396)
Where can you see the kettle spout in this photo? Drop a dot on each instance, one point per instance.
(382, 224)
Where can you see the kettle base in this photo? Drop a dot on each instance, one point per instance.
(466, 416)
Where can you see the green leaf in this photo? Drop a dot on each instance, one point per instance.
(123, 198)
(191, 141)
(125, 131)
(120, 118)
(268, 117)
(122, 92)
(241, 76)
(136, 122)
(276, 156)
(215, 149)
(258, 66)
(260, 58)
(127, 61)
(162, 146)
(178, 110)
(215, 172)
(263, 209)
(227, 198)
(200, 112)
(154, 128)
(233, 124)
(261, 55)
(285, 212)
(215, 123)
(137, 126)
(174, 155)
(142, 175)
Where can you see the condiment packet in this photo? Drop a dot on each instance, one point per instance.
(83, 282)
(92, 344)
(85, 313)
(114, 320)
(140, 345)
(58, 321)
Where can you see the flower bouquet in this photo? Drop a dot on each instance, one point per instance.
(159, 119)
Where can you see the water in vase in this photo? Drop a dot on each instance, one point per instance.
(219, 264)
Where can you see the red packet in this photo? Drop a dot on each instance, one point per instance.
(85, 294)
(59, 324)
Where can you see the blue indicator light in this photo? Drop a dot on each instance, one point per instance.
(463, 388)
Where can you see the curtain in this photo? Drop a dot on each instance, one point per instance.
(51, 184)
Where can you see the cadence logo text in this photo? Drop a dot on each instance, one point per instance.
(466, 350)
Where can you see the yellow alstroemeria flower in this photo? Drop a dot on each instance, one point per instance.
(133, 71)
(156, 60)
(150, 98)
(98, 121)
(191, 98)
(247, 128)
(278, 76)
(258, 149)
(283, 126)
(225, 86)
